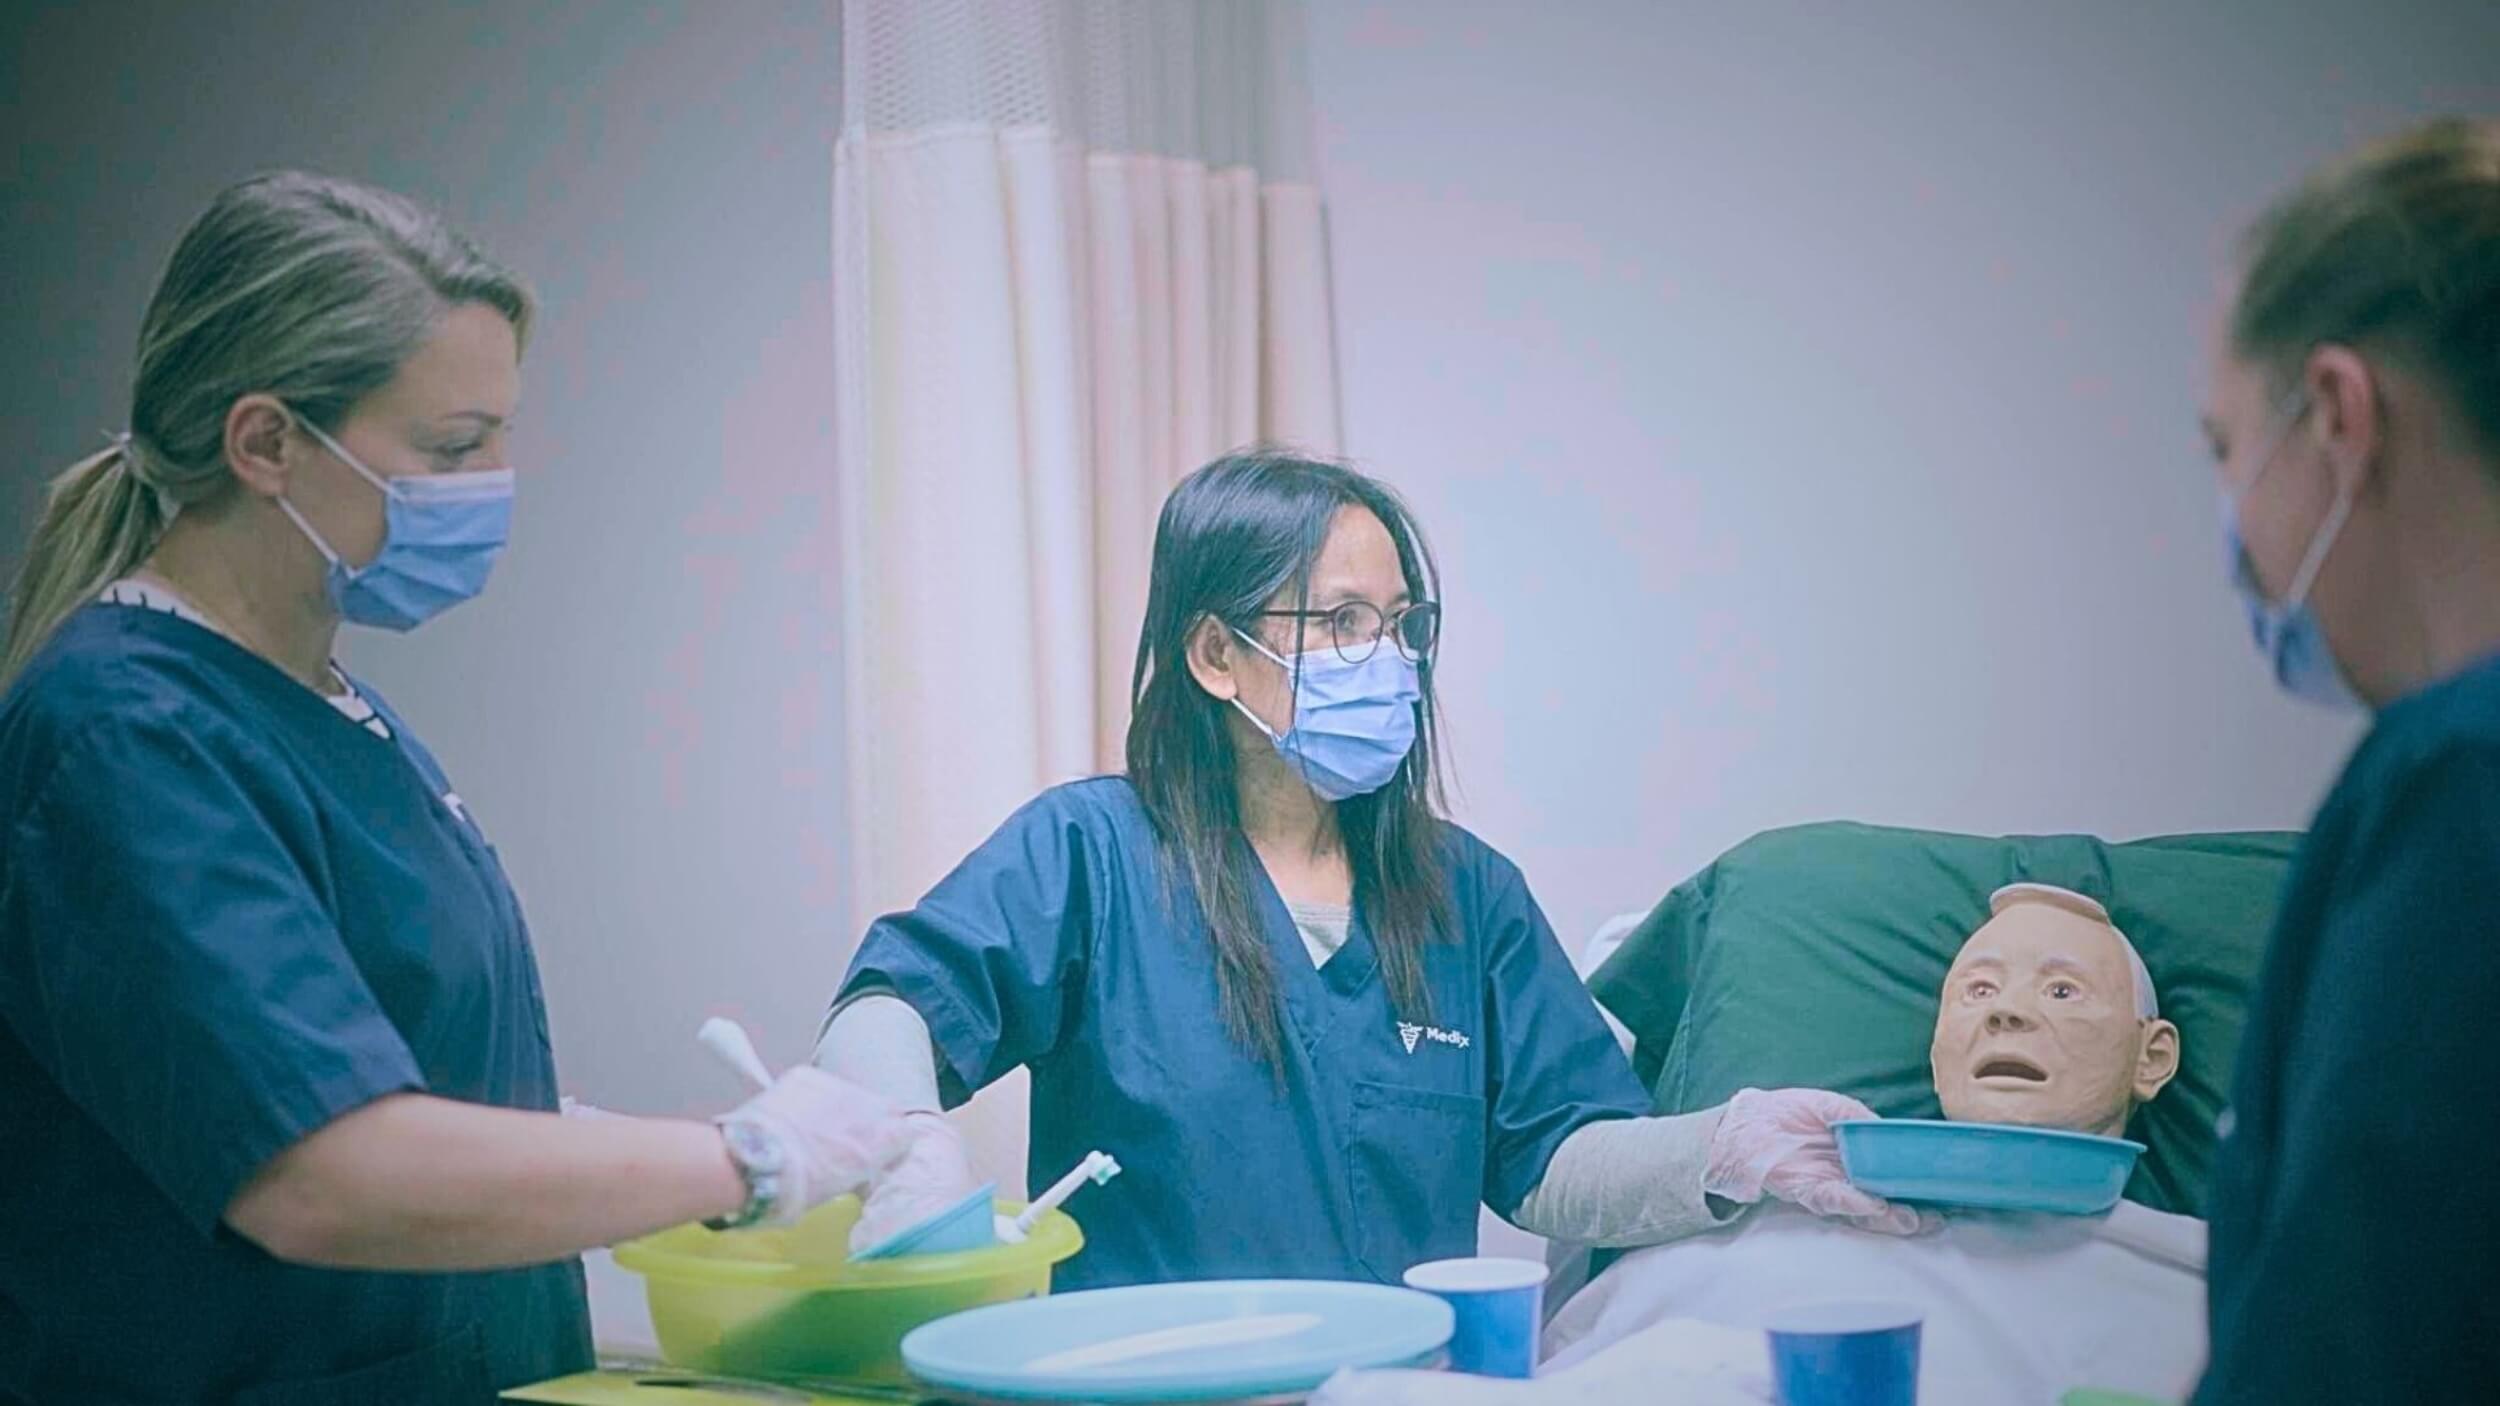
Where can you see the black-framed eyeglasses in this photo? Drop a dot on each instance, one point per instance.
(1356, 627)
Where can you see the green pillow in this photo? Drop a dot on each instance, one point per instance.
(1813, 957)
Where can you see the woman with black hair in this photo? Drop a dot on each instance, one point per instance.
(1319, 1023)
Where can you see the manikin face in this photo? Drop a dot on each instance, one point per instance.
(2039, 1026)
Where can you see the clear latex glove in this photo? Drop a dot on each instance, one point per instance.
(834, 1136)
(1780, 1143)
(933, 1174)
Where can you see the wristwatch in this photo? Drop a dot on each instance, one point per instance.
(757, 1154)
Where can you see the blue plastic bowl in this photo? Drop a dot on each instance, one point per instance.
(969, 1224)
(1993, 1166)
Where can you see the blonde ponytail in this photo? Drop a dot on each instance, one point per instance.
(100, 520)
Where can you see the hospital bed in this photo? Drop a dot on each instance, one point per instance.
(1812, 957)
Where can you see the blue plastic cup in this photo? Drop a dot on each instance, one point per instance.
(1500, 1306)
(1846, 1354)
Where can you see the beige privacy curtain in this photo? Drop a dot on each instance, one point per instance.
(1077, 253)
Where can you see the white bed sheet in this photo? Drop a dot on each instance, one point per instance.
(2020, 1308)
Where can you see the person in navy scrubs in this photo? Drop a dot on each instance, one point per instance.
(1318, 1024)
(2355, 417)
(278, 1119)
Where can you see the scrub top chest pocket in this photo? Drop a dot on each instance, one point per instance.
(425, 913)
(1416, 1152)
(446, 899)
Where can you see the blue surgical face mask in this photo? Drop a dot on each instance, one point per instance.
(1353, 724)
(2287, 634)
(441, 534)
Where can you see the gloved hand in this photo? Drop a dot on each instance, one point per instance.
(834, 1137)
(933, 1173)
(1781, 1143)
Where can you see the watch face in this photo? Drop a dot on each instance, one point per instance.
(754, 1147)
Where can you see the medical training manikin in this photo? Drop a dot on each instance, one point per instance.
(2047, 1019)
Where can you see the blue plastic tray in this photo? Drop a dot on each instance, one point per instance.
(1994, 1166)
(1269, 1336)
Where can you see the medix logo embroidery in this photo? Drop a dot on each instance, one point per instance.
(1411, 1035)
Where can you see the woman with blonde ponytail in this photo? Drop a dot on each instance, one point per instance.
(2355, 420)
(279, 1121)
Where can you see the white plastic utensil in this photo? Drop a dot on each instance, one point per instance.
(1096, 1169)
(728, 1039)
(1163, 1342)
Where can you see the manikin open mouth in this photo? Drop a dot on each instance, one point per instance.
(2006, 1066)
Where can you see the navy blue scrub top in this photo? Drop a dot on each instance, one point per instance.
(228, 915)
(2355, 1203)
(1055, 946)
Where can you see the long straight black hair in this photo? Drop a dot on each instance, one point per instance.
(1234, 536)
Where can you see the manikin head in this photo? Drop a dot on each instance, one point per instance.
(2049, 1020)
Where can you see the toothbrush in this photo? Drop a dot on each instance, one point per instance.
(1097, 1169)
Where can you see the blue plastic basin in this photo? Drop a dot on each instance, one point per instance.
(1994, 1166)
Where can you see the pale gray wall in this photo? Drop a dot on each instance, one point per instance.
(1803, 399)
